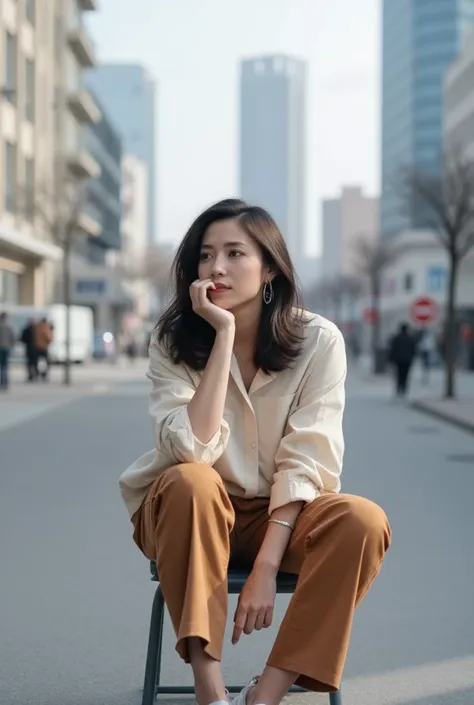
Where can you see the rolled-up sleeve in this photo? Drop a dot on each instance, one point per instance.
(310, 455)
(171, 393)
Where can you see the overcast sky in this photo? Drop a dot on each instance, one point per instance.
(193, 48)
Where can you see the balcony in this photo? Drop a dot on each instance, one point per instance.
(82, 47)
(83, 166)
(83, 107)
(89, 225)
(87, 5)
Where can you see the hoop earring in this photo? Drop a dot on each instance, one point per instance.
(268, 293)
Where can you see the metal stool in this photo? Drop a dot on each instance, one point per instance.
(286, 583)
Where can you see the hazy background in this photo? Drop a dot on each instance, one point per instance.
(193, 50)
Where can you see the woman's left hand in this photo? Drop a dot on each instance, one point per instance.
(255, 605)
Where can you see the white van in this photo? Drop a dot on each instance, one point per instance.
(81, 324)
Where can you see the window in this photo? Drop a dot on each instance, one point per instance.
(10, 177)
(10, 67)
(408, 281)
(30, 90)
(30, 188)
(31, 11)
(9, 287)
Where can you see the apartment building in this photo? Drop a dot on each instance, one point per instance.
(44, 106)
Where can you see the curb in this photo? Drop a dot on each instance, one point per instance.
(464, 425)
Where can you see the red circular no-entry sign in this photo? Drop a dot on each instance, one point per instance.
(424, 310)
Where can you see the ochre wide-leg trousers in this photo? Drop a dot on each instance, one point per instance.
(192, 528)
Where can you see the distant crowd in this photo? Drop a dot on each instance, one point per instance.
(36, 336)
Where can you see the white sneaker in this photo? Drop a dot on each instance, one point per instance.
(241, 698)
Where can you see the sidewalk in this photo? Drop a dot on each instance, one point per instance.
(25, 401)
(429, 398)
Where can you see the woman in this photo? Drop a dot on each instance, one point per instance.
(247, 404)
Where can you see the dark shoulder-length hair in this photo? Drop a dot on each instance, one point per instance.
(188, 338)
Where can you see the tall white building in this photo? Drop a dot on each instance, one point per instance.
(344, 220)
(272, 141)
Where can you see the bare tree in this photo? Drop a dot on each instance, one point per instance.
(65, 222)
(335, 294)
(447, 199)
(372, 257)
(153, 266)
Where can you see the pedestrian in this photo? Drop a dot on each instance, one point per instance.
(247, 404)
(402, 352)
(43, 339)
(427, 351)
(7, 342)
(131, 351)
(28, 338)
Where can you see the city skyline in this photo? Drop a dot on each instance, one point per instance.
(128, 92)
(272, 145)
(196, 66)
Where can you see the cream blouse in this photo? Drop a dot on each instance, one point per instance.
(283, 439)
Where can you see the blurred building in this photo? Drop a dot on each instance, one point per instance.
(459, 102)
(420, 40)
(344, 220)
(95, 283)
(421, 269)
(128, 93)
(135, 234)
(43, 109)
(272, 141)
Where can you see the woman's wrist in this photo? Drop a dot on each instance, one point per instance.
(226, 331)
(264, 565)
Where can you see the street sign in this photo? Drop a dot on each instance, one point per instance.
(424, 310)
(370, 315)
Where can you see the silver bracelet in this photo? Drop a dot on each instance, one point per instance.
(282, 523)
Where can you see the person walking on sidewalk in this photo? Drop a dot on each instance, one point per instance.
(247, 401)
(427, 351)
(43, 339)
(7, 342)
(28, 338)
(402, 353)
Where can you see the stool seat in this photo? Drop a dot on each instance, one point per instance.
(236, 577)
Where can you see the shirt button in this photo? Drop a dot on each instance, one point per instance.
(253, 445)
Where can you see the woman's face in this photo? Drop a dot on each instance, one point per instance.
(233, 261)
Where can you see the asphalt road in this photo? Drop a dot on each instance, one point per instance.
(75, 596)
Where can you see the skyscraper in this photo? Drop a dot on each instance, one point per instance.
(420, 40)
(128, 94)
(272, 141)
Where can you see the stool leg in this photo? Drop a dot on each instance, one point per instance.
(335, 698)
(153, 657)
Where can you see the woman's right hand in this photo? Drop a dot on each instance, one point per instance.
(217, 317)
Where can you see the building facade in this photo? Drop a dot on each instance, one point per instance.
(459, 102)
(272, 141)
(421, 270)
(95, 283)
(421, 38)
(128, 92)
(344, 220)
(44, 48)
(135, 230)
